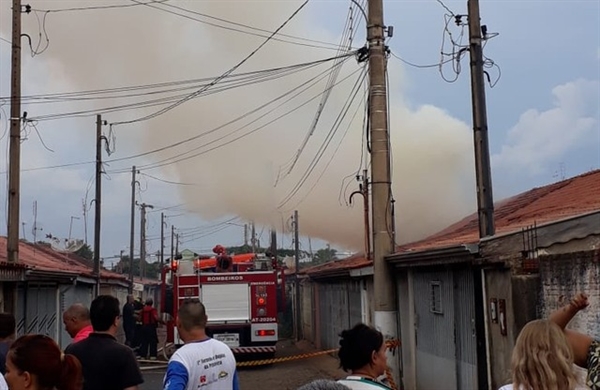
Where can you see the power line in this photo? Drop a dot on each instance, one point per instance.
(437, 65)
(170, 99)
(303, 86)
(167, 181)
(317, 78)
(178, 158)
(194, 94)
(348, 28)
(97, 7)
(326, 142)
(322, 44)
(235, 77)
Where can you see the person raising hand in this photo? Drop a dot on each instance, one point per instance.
(586, 349)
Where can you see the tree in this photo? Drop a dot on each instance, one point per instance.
(324, 255)
(152, 270)
(85, 252)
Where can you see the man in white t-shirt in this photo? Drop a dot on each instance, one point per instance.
(3, 384)
(202, 362)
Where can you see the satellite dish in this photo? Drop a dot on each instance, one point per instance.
(65, 245)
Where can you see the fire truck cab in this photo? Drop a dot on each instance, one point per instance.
(242, 294)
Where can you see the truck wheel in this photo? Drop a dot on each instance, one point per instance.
(168, 350)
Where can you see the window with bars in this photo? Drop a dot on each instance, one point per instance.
(435, 288)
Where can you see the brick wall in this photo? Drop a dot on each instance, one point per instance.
(564, 275)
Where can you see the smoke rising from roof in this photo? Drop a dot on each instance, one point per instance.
(432, 152)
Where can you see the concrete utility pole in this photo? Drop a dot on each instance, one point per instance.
(383, 236)
(70, 226)
(245, 234)
(132, 229)
(297, 286)
(176, 244)
(14, 168)
(253, 239)
(172, 242)
(274, 243)
(98, 201)
(483, 172)
(143, 208)
(84, 220)
(365, 191)
(162, 240)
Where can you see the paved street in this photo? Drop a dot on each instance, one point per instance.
(281, 376)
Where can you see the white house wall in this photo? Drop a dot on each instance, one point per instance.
(562, 277)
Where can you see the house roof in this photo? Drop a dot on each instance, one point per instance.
(42, 258)
(147, 281)
(338, 267)
(568, 198)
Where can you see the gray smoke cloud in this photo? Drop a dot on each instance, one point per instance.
(432, 152)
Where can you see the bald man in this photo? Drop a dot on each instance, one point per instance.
(77, 322)
(202, 361)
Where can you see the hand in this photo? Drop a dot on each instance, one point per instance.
(580, 302)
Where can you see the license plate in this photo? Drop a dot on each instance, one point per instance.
(231, 339)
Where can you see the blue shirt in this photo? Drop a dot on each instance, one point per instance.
(208, 364)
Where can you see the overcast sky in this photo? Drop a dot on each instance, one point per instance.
(543, 115)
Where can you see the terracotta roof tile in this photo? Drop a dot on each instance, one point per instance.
(40, 257)
(355, 261)
(568, 198)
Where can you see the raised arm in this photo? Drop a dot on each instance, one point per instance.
(580, 343)
(565, 314)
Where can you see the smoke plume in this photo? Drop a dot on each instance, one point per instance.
(432, 152)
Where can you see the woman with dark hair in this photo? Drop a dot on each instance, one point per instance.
(35, 362)
(362, 353)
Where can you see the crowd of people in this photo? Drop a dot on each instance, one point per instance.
(544, 356)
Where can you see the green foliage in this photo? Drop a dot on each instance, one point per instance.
(152, 270)
(324, 255)
(85, 252)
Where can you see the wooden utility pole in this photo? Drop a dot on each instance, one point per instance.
(297, 285)
(98, 201)
(176, 244)
(14, 168)
(162, 240)
(383, 235)
(483, 172)
(132, 229)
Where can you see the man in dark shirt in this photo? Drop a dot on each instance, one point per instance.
(107, 365)
(129, 320)
(7, 332)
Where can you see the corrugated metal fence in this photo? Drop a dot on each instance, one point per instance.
(329, 308)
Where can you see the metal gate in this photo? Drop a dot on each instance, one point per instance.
(339, 308)
(79, 293)
(466, 331)
(445, 330)
(37, 310)
(354, 303)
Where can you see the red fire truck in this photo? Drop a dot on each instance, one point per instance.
(243, 295)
